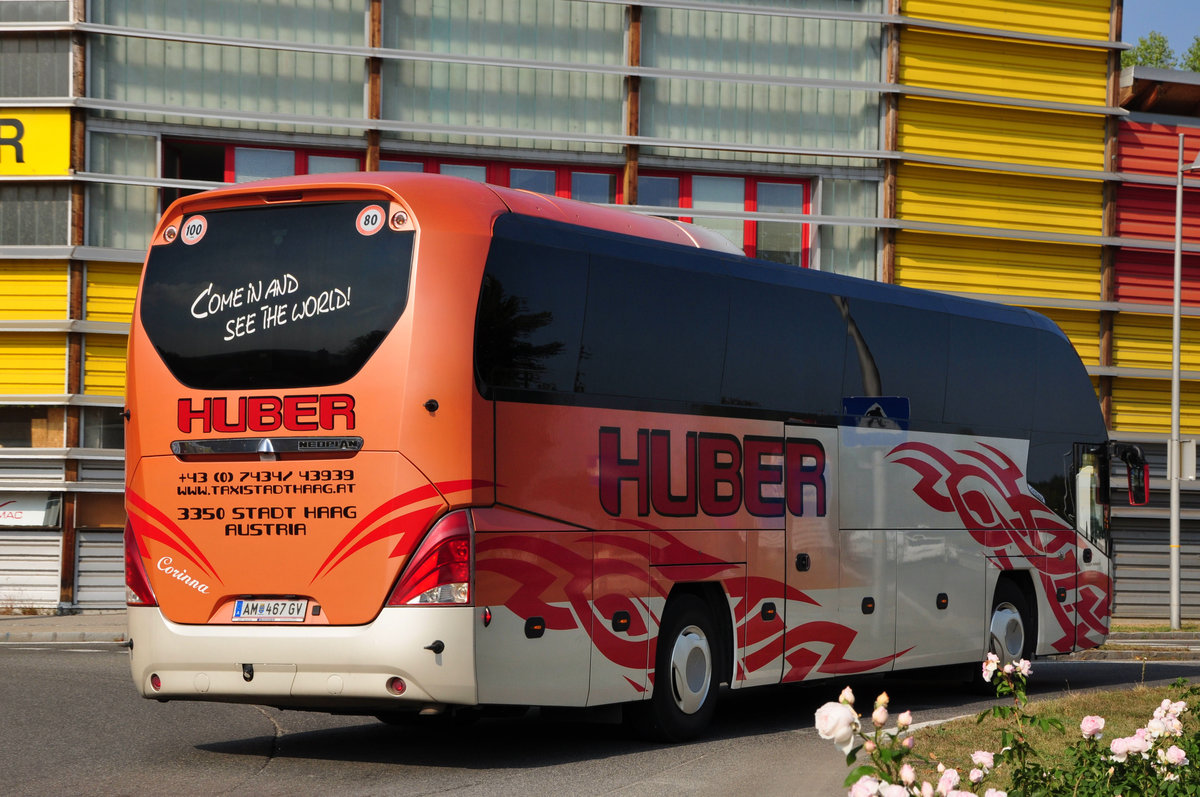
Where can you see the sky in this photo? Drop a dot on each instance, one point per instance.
(1178, 20)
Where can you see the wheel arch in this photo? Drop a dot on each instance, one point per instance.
(717, 602)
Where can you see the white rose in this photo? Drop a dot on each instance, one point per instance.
(838, 723)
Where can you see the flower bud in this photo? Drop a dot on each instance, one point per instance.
(879, 716)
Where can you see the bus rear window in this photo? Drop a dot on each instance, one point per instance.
(279, 296)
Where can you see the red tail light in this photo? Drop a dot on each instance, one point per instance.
(137, 584)
(440, 570)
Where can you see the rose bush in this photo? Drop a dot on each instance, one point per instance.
(1154, 760)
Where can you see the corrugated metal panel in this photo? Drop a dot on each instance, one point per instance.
(1148, 211)
(33, 362)
(1144, 405)
(30, 569)
(1152, 148)
(32, 290)
(982, 65)
(1081, 327)
(111, 288)
(101, 470)
(1146, 276)
(1083, 19)
(997, 266)
(100, 574)
(21, 469)
(989, 199)
(104, 364)
(1141, 567)
(1144, 341)
(1008, 135)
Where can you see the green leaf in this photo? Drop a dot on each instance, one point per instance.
(858, 772)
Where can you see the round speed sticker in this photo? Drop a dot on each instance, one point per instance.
(194, 229)
(370, 220)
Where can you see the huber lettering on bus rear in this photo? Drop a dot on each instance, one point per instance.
(305, 413)
(722, 474)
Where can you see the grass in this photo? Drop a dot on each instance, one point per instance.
(1150, 626)
(1124, 711)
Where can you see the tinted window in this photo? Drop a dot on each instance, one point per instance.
(530, 316)
(653, 332)
(273, 297)
(991, 377)
(785, 350)
(893, 350)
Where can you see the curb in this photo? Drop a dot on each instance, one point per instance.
(116, 637)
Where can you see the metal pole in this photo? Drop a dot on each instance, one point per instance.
(1173, 445)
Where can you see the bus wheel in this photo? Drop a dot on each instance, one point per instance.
(1010, 633)
(685, 688)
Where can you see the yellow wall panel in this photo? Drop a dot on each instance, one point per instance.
(1144, 341)
(993, 133)
(1144, 405)
(1082, 327)
(1080, 19)
(997, 266)
(33, 290)
(104, 365)
(984, 65)
(111, 288)
(988, 199)
(33, 362)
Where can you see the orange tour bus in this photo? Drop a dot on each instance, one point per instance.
(404, 444)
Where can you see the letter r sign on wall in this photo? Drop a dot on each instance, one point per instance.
(35, 142)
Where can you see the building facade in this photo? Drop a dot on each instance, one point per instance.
(948, 145)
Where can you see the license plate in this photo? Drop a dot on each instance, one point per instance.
(269, 610)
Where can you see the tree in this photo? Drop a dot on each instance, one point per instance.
(1191, 59)
(1151, 50)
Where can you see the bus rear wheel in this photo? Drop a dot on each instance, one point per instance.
(685, 681)
(1010, 632)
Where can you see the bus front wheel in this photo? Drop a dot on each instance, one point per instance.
(685, 687)
(1010, 632)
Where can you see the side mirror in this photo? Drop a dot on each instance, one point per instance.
(1139, 484)
(1138, 470)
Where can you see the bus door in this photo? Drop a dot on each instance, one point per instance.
(812, 560)
(1094, 576)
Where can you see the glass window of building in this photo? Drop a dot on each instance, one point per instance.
(465, 170)
(540, 180)
(780, 241)
(659, 191)
(103, 427)
(721, 194)
(401, 166)
(593, 187)
(253, 163)
(32, 427)
(328, 164)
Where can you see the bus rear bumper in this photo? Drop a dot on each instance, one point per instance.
(336, 668)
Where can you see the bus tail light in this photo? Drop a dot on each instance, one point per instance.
(440, 570)
(137, 583)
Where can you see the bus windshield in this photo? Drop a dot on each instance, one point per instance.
(276, 296)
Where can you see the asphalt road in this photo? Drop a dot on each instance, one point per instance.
(71, 723)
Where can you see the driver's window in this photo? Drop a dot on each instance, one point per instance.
(1089, 511)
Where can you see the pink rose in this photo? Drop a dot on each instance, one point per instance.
(892, 790)
(984, 759)
(1119, 749)
(947, 782)
(975, 775)
(989, 666)
(1091, 726)
(846, 697)
(908, 775)
(839, 723)
(879, 716)
(1175, 756)
(904, 720)
(866, 786)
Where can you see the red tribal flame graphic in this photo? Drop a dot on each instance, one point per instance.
(983, 487)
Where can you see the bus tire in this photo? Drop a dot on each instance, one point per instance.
(1010, 630)
(685, 674)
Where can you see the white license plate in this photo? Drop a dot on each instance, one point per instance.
(269, 610)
